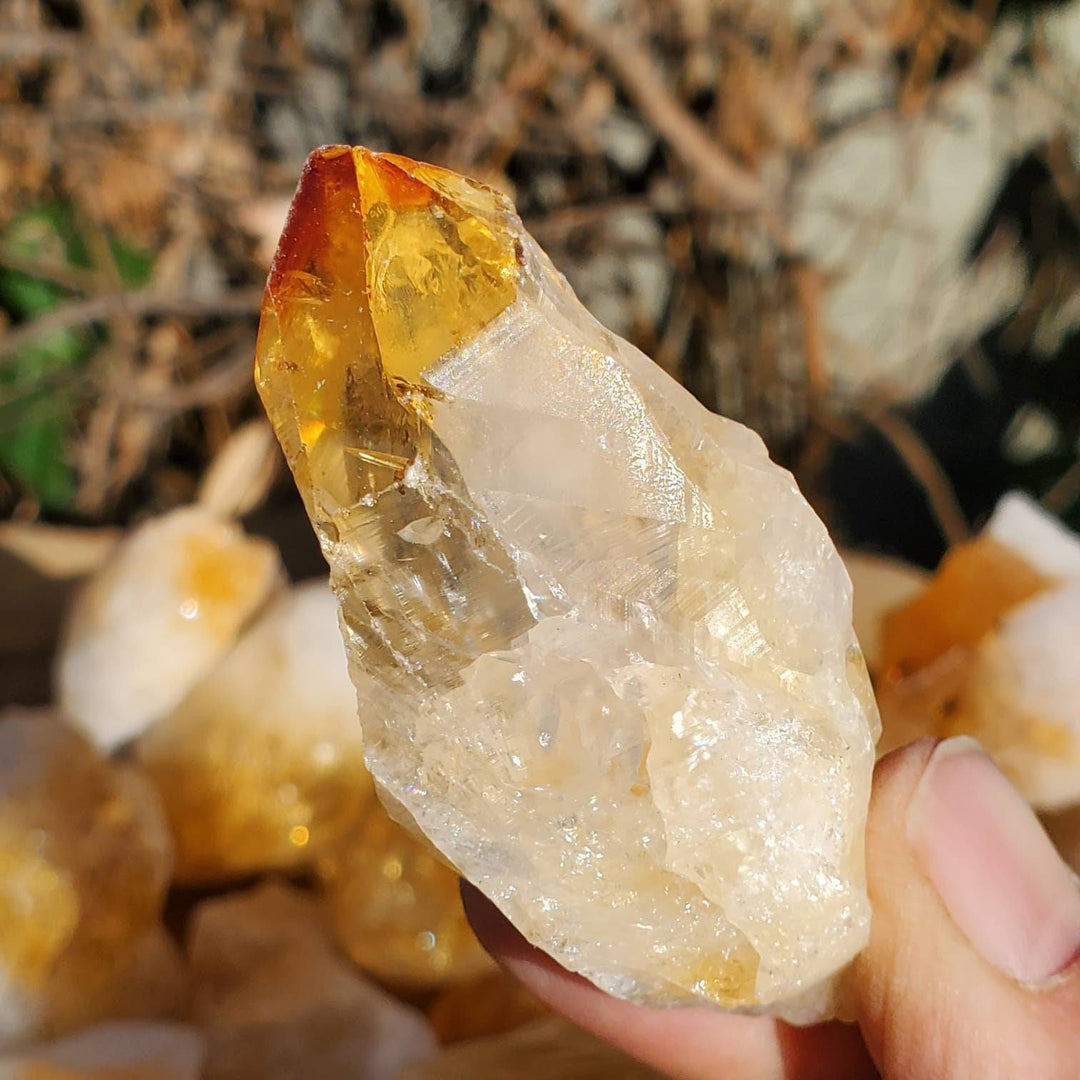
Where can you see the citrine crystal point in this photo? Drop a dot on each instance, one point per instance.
(602, 644)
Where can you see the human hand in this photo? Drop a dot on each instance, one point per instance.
(970, 971)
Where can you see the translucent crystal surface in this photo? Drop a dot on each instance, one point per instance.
(603, 645)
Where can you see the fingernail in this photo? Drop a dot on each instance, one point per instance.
(992, 864)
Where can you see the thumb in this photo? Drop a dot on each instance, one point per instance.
(970, 969)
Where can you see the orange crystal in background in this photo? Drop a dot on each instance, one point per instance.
(975, 585)
(928, 644)
(396, 910)
(984, 651)
(84, 863)
(260, 767)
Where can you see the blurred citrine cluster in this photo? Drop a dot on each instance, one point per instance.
(196, 876)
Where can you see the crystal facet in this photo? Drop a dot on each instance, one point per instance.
(602, 644)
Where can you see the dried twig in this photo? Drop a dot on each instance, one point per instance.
(926, 472)
(136, 305)
(732, 186)
(1064, 492)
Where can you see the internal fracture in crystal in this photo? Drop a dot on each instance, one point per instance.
(602, 644)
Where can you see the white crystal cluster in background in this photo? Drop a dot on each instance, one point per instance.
(603, 645)
(168, 604)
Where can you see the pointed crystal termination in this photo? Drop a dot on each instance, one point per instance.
(602, 645)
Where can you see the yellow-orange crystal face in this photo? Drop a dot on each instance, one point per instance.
(976, 584)
(383, 267)
(603, 646)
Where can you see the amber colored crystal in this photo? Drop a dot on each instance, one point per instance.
(422, 246)
(396, 910)
(976, 584)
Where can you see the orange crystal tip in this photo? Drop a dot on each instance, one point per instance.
(428, 256)
(384, 266)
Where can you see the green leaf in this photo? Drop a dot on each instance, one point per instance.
(48, 230)
(33, 438)
(26, 297)
(134, 265)
(34, 453)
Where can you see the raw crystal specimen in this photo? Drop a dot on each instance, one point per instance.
(155, 617)
(603, 645)
(987, 650)
(278, 1003)
(395, 907)
(84, 863)
(130, 1050)
(260, 766)
(550, 1048)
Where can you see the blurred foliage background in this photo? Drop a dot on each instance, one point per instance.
(852, 225)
